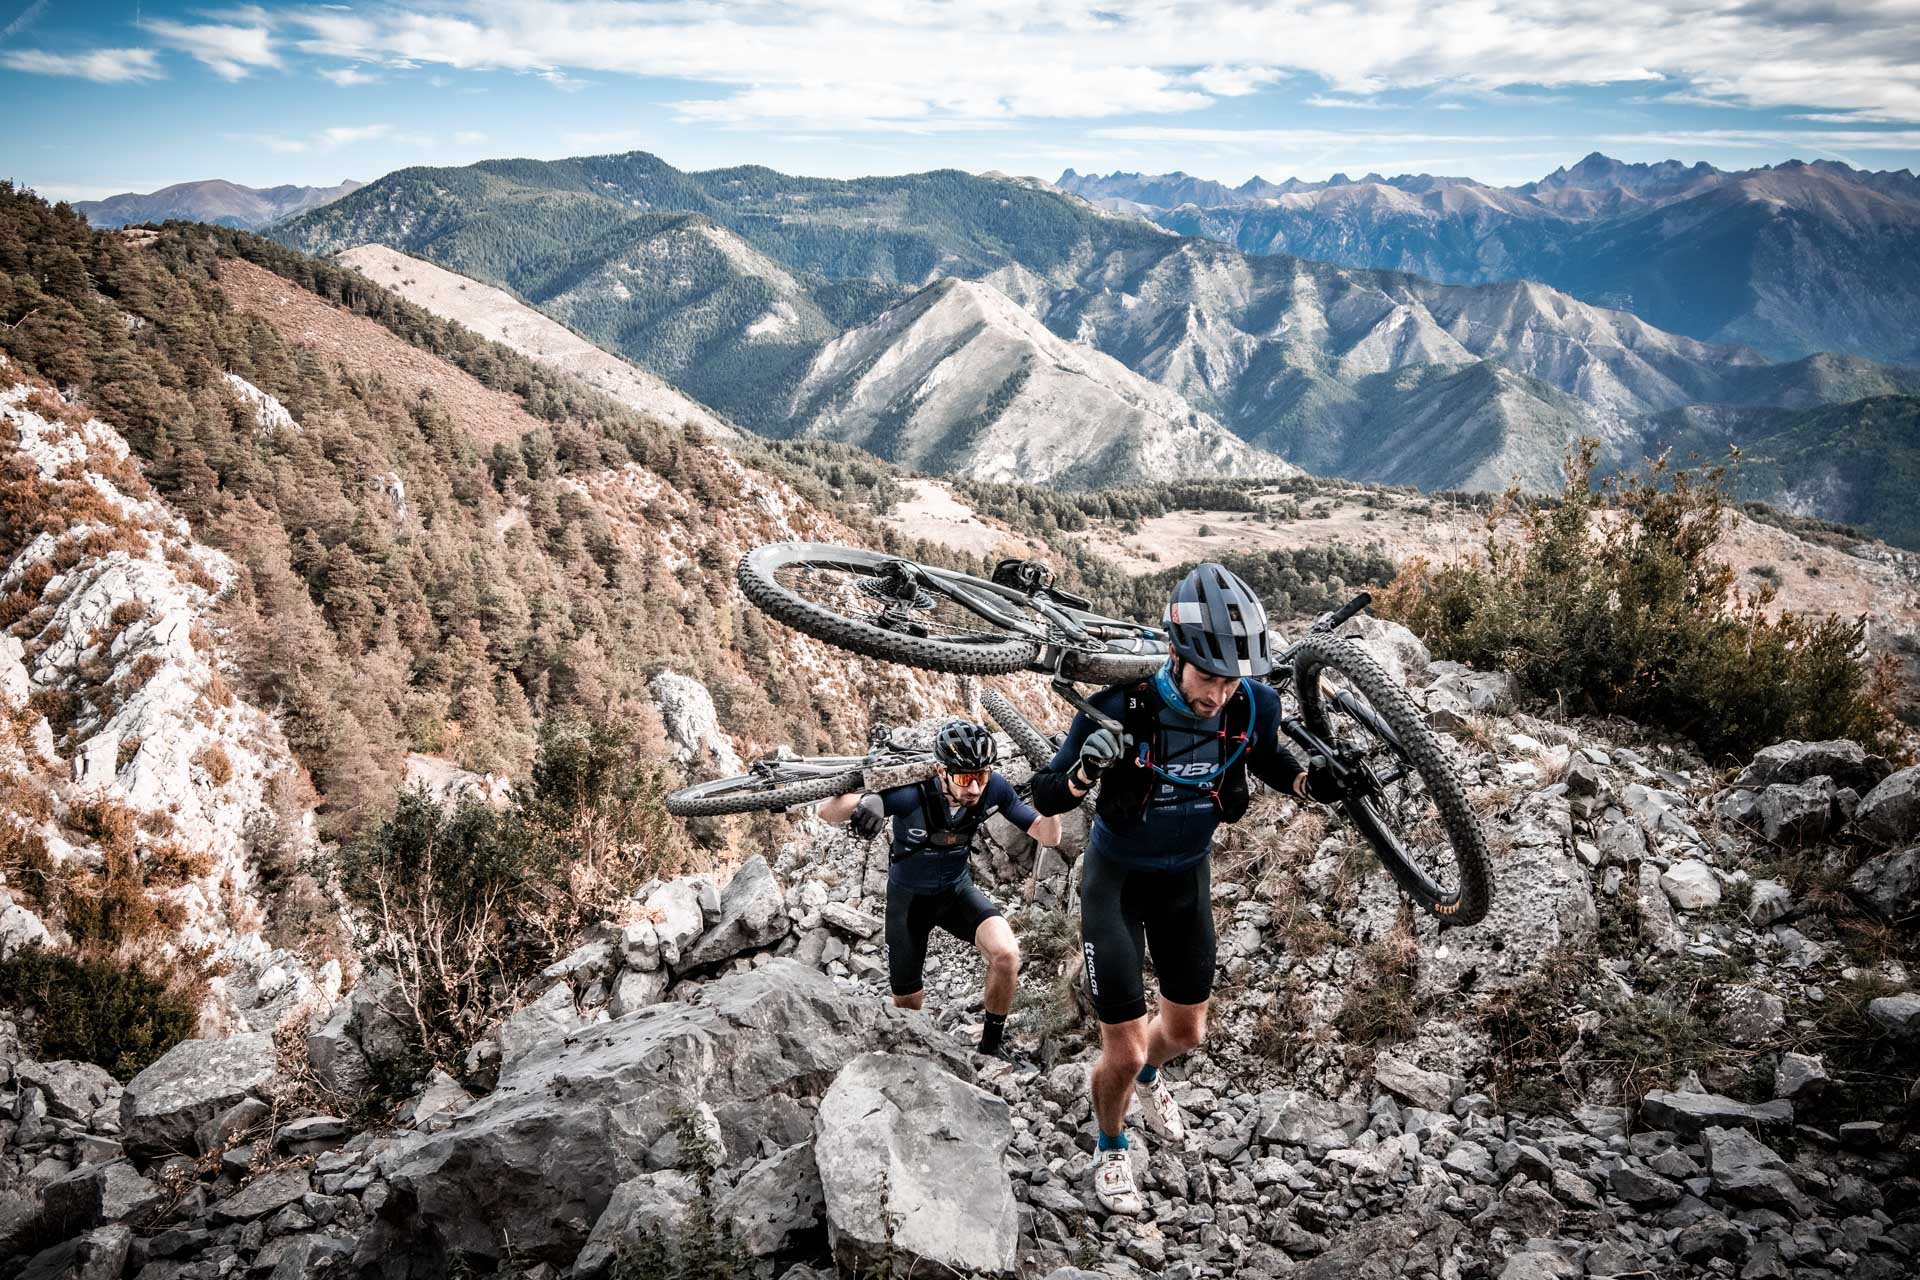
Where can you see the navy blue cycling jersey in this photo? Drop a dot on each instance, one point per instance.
(1176, 831)
(931, 838)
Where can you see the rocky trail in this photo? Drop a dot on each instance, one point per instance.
(1683, 1044)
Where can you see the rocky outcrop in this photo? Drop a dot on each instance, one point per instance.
(519, 1172)
(190, 1084)
(911, 1169)
(699, 743)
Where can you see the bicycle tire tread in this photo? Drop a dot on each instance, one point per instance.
(1469, 903)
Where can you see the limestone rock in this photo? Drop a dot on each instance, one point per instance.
(189, 1085)
(19, 927)
(96, 1194)
(1793, 761)
(1691, 885)
(531, 1166)
(1750, 1014)
(544, 1023)
(1433, 1090)
(686, 708)
(1746, 1169)
(1692, 1113)
(774, 1201)
(911, 1162)
(1799, 1073)
(1794, 814)
(1899, 1014)
(1890, 813)
(1889, 885)
(650, 1202)
(73, 1090)
(753, 913)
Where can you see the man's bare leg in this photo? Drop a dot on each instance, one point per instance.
(913, 1001)
(994, 938)
(1123, 1051)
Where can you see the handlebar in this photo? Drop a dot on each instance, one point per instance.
(1332, 621)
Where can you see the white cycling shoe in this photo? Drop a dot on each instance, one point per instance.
(1113, 1184)
(1158, 1110)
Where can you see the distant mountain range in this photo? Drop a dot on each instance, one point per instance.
(225, 204)
(1790, 259)
(800, 306)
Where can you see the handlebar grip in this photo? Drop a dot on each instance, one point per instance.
(1347, 610)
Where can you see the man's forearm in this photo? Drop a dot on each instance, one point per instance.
(837, 810)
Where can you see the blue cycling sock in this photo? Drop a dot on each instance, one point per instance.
(1148, 1074)
(1113, 1144)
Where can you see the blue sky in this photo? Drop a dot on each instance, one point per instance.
(108, 97)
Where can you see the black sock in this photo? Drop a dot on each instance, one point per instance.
(993, 1032)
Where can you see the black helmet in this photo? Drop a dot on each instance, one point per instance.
(964, 746)
(1216, 623)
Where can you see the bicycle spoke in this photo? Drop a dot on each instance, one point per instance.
(879, 600)
(1400, 799)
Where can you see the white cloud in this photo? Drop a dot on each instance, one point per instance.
(1811, 139)
(1235, 82)
(232, 52)
(349, 77)
(1351, 104)
(325, 140)
(802, 63)
(103, 66)
(1306, 137)
(469, 137)
(24, 20)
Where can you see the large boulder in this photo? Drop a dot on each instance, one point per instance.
(1793, 814)
(774, 1202)
(649, 1204)
(1417, 1239)
(753, 913)
(369, 1034)
(1889, 885)
(531, 1167)
(19, 928)
(912, 1168)
(1899, 1014)
(1890, 813)
(1398, 651)
(73, 1090)
(1302, 1119)
(1693, 1113)
(686, 709)
(1793, 761)
(1746, 1169)
(189, 1085)
(98, 1194)
(679, 912)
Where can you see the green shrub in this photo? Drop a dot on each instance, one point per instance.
(120, 1014)
(465, 905)
(1614, 602)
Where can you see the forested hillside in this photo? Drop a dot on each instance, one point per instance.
(406, 588)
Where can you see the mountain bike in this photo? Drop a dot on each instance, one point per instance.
(785, 780)
(1338, 706)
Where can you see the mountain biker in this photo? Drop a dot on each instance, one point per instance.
(928, 880)
(1178, 768)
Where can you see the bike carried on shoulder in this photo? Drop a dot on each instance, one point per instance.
(1402, 794)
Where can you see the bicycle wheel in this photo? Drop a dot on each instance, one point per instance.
(779, 786)
(855, 600)
(1032, 743)
(1413, 810)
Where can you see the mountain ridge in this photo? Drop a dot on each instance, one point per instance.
(1790, 259)
(213, 200)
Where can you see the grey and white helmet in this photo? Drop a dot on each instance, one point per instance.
(1216, 622)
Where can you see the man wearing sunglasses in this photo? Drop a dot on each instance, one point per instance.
(1173, 773)
(929, 883)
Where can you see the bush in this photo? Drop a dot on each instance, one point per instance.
(465, 905)
(1614, 602)
(117, 1013)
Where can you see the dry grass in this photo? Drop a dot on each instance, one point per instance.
(213, 759)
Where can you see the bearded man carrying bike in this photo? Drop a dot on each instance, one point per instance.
(1176, 770)
(929, 882)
